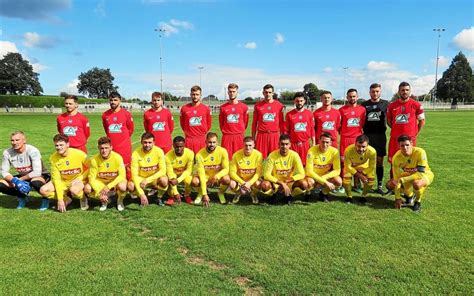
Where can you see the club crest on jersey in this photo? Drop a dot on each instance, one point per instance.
(233, 118)
(409, 160)
(248, 162)
(148, 159)
(351, 122)
(107, 165)
(328, 125)
(20, 159)
(195, 121)
(323, 158)
(285, 163)
(69, 130)
(373, 116)
(180, 162)
(269, 117)
(157, 116)
(402, 108)
(114, 118)
(300, 126)
(115, 128)
(327, 115)
(352, 112)
(374, 106)
(300, 117)
(159, 126)
(67, 162)
(69, 121)
(194, 111)
(233, 109)
(269, 108)
(212, 158)
(402, 118)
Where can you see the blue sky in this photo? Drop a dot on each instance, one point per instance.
(251, 43)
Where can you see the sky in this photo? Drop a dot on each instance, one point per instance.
(335, 44)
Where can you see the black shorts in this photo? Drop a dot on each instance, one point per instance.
(379, 142)
(46, 177)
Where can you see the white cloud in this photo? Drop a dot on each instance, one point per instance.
(33, 39)
(250, 45)
(379, 66)
(183, 24)
(443, 61)
(6, 47)
(37, 67)
(279, 38)
(327, 70)
(71, 87)
(174, 26)
(465, 39)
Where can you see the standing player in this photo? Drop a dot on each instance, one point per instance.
(148, 169)
(268, 122)
(26, 160)
(299, 124)
(323, 167)
(245, 171)
(159, 121)
(375, 127)
(284, 172)
(68, 171)
(212, 166)
(359, 161)
(118, 125)
(106, 176)
(233, 121)
(405, 116)
(410, 170)
(327, 119)
(179, 168)
(352, 121)
(73, 124)
(196, 120)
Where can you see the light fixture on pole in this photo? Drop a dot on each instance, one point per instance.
(439, 30)
(344, 91)
(161, 32)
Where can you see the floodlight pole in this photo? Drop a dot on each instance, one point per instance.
(435, 91)
(344, 91)
(161, 32)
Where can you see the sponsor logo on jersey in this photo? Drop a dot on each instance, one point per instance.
(158, 126)
(269, 117)
(247, 171)
(410, 170)
(115, 128)
(69, 130)
(283, 172)
(24, 170)
(212, 167)
(351, 122)
(322, 166)
(300, 126)
(328, 125)
(373, 116)
(149, 169)
(195, 121)
(105, 175)
(71, 172)
(233, 118)
(402, 118)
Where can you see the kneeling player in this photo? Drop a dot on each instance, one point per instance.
(68, 171)
(179, 168)
(284, 172)
(411, 170)
(106, 175)
(26, 159)
(323, 167)
(148, 170)
(212, 166)
(359, 161)
(245, 171)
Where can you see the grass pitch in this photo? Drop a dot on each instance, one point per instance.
(308, 248)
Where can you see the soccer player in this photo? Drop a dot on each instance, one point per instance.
(268, 122)
(119, 127)
(158, 120)
(405, 116)
(299, 124)
(148, 170)
(179, 169)
(212, 166)
(284, 172)
(327, 119)
(375, 127)
(74, 124)
(359, 161)
(410, 171)
(196, 120)
(26, 160)
(106, 176)
(233, 121)
(246, 170)
(68, 171)
(352, 121)
(323, 167)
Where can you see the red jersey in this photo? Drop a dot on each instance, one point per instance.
(268, 117)
(403, 117)
(327, 121)
(76, 127)
(119, 128)
(299, 125)
(233, 118)
(161, 125)
(195, 121)
(352, 121)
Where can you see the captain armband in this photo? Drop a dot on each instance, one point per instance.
(420, 169)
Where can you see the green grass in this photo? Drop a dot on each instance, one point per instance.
(309, 248)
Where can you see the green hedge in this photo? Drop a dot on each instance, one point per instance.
(40, 101)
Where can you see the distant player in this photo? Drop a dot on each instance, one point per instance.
(179, 169)
(284, 172)
(299, 124)
(119, 127)
(30, 171)
(212, 166)
(327, 118)
(245, 171)
(68, 172)
(233, 121)
(73, 124)
(268, 122)
(107, 176)
(359, 161)
(158, 120)
(148, 170)
(196, 120)
(323, 167)
(375, 127)
(410, 171)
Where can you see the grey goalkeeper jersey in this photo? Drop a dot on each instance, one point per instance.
(27, 163)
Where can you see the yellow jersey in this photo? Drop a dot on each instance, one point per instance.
(149, 166)
(179, 167)
(403, 166)
(322, 166)
(246, 168)
(65, 169)
(352, 159)
(214, 164)
(109, 172)
(281, 168)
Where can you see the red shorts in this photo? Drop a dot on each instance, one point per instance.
(83, 148)
(128, 172)
(232, 143)
(195, 143)
(393, 147)
(165, 148)
(346, 142)
(267, 142)
(302, 149)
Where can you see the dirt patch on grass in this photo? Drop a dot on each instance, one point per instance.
(245, 282)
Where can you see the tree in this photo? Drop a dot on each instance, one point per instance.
(96, 83)
(456, 83)
(312, 92)
(287, 95)
(17, 76)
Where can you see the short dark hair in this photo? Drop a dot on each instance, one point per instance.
(71, 97)
(375, 85)
(248, 139)
(403, 138)
(115, 94)
(299, 94)
(156, 94)
(178, 139)
(267, 86)
(362, 138)
(284, 137)
(326, 134)
(325, 92)
(60, 137)
(211, 135)
(351, 90)
(103, 140)
(232, 85)
(402, 84)
(147, 135)
(195, 88)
